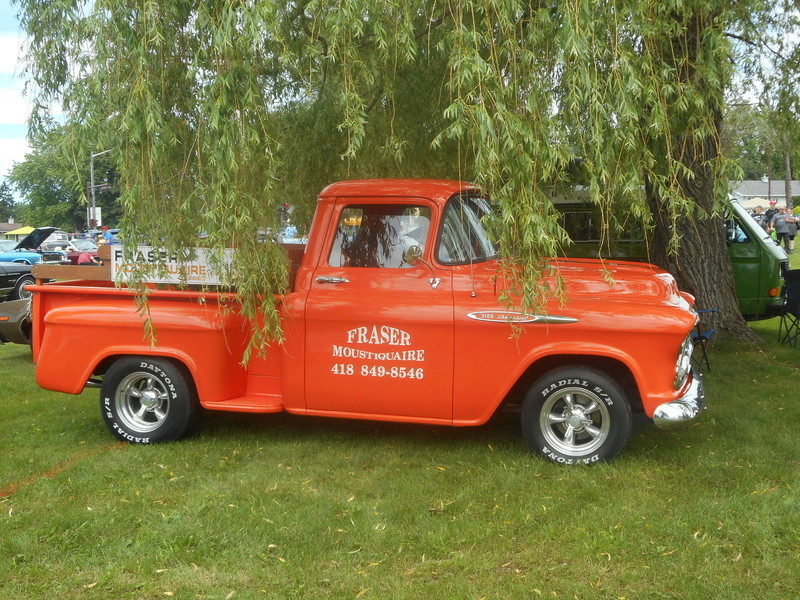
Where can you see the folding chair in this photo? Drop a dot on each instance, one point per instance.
(700, 339)
(789, 327)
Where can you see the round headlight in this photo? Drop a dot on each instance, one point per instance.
(684, 365)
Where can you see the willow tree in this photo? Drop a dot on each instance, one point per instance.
(219, 111)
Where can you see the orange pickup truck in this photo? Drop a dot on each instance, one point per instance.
(392, 315)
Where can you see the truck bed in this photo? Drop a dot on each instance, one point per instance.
(44, 272)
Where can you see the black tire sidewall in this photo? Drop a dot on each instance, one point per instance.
(17, 293)
(182, 411)
(594, 381)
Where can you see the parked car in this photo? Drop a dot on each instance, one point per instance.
(27, 249)
(73, 248)
(57, 236)
(15, 321)
(398, 310)
(13, 277)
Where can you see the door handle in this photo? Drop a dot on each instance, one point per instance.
(326, 279)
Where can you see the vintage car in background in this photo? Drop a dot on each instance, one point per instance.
(15, 321)
(96, 235)
(27, 250)
(57, 236)
(73, 248)
(13, 277)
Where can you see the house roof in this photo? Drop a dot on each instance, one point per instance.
(763, 189)
(6, 227)
(751, 193)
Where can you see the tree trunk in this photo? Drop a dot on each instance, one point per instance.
(700, 264)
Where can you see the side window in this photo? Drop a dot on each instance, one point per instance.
(735, 233)
(378, 235)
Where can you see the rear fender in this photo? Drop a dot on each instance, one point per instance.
(81, 339)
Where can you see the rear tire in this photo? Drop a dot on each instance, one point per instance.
(576, 415)
(145, 400)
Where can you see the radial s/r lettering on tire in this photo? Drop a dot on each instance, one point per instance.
(576, 415)
(146, 400)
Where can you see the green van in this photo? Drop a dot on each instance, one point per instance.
(758, 263)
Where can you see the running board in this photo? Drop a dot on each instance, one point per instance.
(249, 404)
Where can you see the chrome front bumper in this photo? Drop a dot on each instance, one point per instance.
(683, 410)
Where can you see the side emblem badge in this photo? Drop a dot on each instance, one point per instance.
(505, 316)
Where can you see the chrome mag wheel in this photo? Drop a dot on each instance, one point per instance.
(142, 402)
(575, 422)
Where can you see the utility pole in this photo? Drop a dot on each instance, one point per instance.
(91, 213)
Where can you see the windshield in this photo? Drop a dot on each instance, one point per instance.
(7, 244)
(464, 238)
(84, 245)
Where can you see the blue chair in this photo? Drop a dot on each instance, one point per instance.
(701, 338)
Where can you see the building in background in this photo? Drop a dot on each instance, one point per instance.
(759, 192)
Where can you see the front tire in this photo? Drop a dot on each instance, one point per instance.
(146, 400)
(576, 415)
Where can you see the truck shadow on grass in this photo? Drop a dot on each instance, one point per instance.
(501, 433)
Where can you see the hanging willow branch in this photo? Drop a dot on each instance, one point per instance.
(219, 111)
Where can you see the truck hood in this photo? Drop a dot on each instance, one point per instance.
(610, 280)
(35, 238)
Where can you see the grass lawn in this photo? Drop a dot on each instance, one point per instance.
(286, 507)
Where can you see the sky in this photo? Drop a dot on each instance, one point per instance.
(14, 108)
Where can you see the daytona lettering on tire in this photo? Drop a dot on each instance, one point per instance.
(576, 415)
(145, 400)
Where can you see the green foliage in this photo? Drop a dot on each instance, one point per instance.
(7, 205)
(53, 181)
(219, 112)
(757, 139)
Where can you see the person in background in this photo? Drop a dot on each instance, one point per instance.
(783, 222)
(88, 260)
(108, 237)
(759, 217)
(771, 212)
(792, 221)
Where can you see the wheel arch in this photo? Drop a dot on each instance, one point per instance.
(613, 367)
(180, 363)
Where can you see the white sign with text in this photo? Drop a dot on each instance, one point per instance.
(199, 271)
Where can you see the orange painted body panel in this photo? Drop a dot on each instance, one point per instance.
(81, 330)
(428, 343)
(491, 358)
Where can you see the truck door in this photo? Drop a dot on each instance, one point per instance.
(379, 331)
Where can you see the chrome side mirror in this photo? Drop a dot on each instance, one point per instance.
(413, 256)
